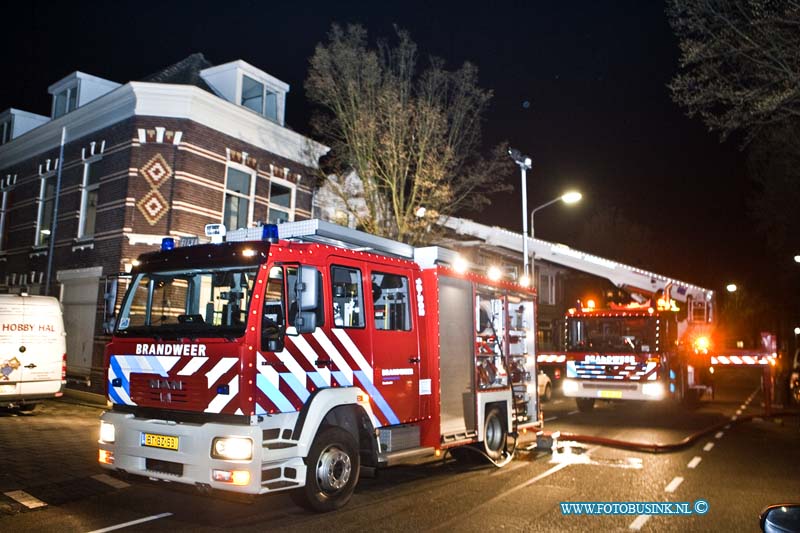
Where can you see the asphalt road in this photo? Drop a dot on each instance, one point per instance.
(50, 482)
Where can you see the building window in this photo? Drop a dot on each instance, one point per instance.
(281, 201)
(47, 199)
(7, 200)
(239, 193)
(257, 97)
(547, 289)
(6, 130)
(65, 101)
(89, 188)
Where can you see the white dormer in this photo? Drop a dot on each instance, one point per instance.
(76, 90)
(15, 122)
(243, 84)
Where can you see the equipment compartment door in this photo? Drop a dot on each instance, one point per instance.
(395, 343)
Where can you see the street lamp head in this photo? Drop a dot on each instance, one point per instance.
(521, 160)
(797, 259)
(731, 287)
(571, 197)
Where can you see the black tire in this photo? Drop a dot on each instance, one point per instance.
(495, 434)
(548, 393)
(27, 408)
(585, 405)
(332, 469)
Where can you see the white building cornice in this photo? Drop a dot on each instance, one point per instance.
(165, 100)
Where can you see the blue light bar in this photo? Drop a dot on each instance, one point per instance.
(167, 243)
(270, 233)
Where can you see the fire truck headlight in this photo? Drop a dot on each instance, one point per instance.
(107, 433)
(656, 390)
(232, 448)
(570, 386)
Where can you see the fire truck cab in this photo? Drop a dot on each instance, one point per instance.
(630, 352)
(257, 365)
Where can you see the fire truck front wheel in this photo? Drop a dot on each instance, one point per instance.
(333, 466)
(585, 404)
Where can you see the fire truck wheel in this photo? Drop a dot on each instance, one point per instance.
(27, 408)
(585, 404)
(332, 471)
(494, 434)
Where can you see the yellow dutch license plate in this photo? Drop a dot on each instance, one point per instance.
(615, 394)
(159, 441)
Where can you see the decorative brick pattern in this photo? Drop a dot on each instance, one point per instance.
(153, 205)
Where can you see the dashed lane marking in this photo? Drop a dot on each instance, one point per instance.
(674, 484)
(640, 521)
(25, 499)
(549, 419)
(573, 412)
(132, 523)
(708, 446)
(719, 434)
(694, 462)
(111, 481)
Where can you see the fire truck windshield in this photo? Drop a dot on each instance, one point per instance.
(611, 334)
(190, 303)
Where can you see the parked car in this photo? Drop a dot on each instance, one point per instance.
(545, 387)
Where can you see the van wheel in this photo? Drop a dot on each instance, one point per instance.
(27, 408)
(585, 404)
(548, 393)
(332, 468)
(494, 434)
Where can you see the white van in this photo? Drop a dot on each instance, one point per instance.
(33, 350)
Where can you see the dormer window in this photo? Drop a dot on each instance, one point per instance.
(256, 96)
(5, 130)
(65, 101)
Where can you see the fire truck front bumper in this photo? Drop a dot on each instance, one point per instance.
(209, 456)
(647, 390)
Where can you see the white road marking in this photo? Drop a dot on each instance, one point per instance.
(719, 434)
(25, 499)
(640, 521)
(549, 419)
(694, 462)
(708, 446)
(112, 481)
(674, 484)
(573, 412)
(132, 523)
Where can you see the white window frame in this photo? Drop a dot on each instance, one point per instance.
(6, 129)
(42, 201)
(266, 89)
(3, 219)
(251, 198)
(86, 188)
(548, 297)
(68, 90)
(293, 188)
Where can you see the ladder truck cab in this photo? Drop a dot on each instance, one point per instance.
(631, 352)
(297, 357)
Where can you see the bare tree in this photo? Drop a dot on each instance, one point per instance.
(412, 138)
(740, 62)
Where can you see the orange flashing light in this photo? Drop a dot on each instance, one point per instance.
(437, 453)
(240, 477)
(590, 304)
(106, 457)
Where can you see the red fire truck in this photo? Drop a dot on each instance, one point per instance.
(631, 352)
(273, 364)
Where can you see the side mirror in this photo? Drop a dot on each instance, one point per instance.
(308, 289)
(780, 518)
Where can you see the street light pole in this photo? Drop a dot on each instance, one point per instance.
(570, 197)
(524, 162)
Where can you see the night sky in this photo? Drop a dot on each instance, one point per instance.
(579, 86)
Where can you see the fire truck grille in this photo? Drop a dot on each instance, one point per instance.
(181, 392)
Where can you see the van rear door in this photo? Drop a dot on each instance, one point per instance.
(42, 347)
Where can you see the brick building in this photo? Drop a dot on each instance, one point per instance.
(190, 145)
